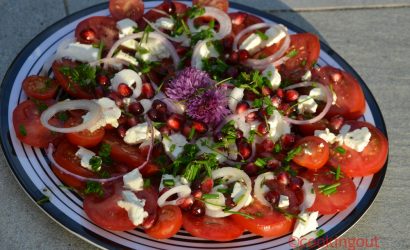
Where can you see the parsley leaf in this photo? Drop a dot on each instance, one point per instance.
(93, 187)
(96, 163)
(22, 130)
(104, 153)
(83, 74)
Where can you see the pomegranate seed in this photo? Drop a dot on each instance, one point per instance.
(336, 123)
(263, 128)
(239, 134)
(251, 169)
(207, 185)
(159, 106)
(169, 7)
(121, 131)
(243, 55)
(122, 120)
(147, 91)
(165, 130)
(267, 145)
(249, 95)
(272, 164)
(196, 186)
(99, 92)
(296, 183)
(124, 90)
(276, 101)
(272, 197)
(197, 194)
(266, 91)
(103, 80)
(175, 122)
(234, 56)
(200, 127)
(232, 72)
(88, 35)
(132, 121)
(186, 130)
(218, 136)
(185, 203)
(262, 114)
(245, 149)
(287, 140)
(229, 203)
(181, 50)
(198, 208)
(251, 117)
(242, 106)
(285, 107)
(239, 18)
(283, 178)
(136, 108)
(154, 115)
(280, 93)
(116, 98)
(227, 42)
(291, 95)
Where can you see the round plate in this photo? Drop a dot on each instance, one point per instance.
(31, 166)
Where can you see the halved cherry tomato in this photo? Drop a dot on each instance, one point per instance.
(306, 47)
(267, 222)
(309, 129)
(67, 84)
(105, 212)
(350, 101)
(84, 138)
(217, 229)
(220, 4)
(132, 9)
(28, 127)
(344, 196)
(168, 223)
(367, 162)
(241, 20)
(96, 29)
(40, 87)
(152, 16)
(314, 154)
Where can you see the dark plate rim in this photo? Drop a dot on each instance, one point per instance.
(75, 228)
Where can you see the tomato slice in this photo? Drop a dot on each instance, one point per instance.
(314, 154)
(217, 229)
(241, 20)
(333, 203)
(102, 28)
(84, 138)
(105, 212)
(267, 222)
(132, 9)
(220, 4)
(40, 87)
(72, 88)
(307, 47)
(152, 15)
(309, 129)
(350, 101)
(28, 127)
(168, 223)
(367, 162)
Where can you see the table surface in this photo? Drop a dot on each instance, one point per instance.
(372, 35)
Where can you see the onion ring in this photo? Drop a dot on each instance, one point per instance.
(183, 191)
(257, 188)
(225, 23)
(175, 39)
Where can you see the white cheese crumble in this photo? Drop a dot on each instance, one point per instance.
(358, 139)
(306, 104)
(275, 34)
(205, 51)
(326, 135)
(307, 76)
(320, 95)
(79, 52)
(165, 23)
(133, 180)
(110, 114)
(155, 50)
(126, 27)
(124, 56)
(174, 145)
(277, 126)
(235, 96)
(134, 207)
(178, 181)
(283, 201)
(272, 73)
(308, 225)
(85, 155)
(252, 43)
(139, 133)
(129, 77)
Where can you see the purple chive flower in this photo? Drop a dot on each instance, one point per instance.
(209, 107)
(186, 84)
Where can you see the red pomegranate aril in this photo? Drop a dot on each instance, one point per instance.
(280, 93)
(200, 127)
(88, 35)
(266, 91)
(227, 42)
(154, 115)
(234, 57)
(132, 121)
(169, 7)
(159, 106)
(296, 183)
(283, 178)
(273, 164)
(239, 18)
(206, 185)
(251, 169)
(288, 140)
(121, 130)
(116, 98)
(242, 106)
(336, 123)
(165, 130)
(187, 129)
(124, 90)
(291, 95)
(185, 203)
(147, 91)
(229, 203)
(122, 120)
(243, 55)
(267, 145)
(175, 122)
(197, 194)
(245, 149)
(263, 128)
(253, 116)
(103, 80)
(272, 197)
(249, 95)
(262, 114)
(198, 208)
(181, 51)
(136, 108)
(276, 101)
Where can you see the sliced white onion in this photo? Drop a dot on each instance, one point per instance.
(329, 100)
(231, 175)
(182, 191)
(160, 12)
(309, 196)
(225, 24)
(155, 35)
(109, 61)
(95, 114)
(196, 56)
(258, 191)
(177, 39)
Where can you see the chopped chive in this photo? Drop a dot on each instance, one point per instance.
(292, 153)
(248, 216)
(277, 148)
(292, 53)
(329, 189)
(100, 50)
(337, 174)
(191, 134)
(210, 196)
(95, 163)
(223, 190)
(320, 232)
(172, 148)
(147, 183)
(22, 130)
(260, 162)
(340, 150)
(168, 182)
(262, 35)
(43, 200)
(303, 63)
(93, 187)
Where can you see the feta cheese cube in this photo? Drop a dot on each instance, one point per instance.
(308, 225)
(275, 34)
(110, 114)
(205, 51)
(174, 145)
(318, 94)
(126, 26)
(177, 180)
(252, 43)
(155, 50)
(79, 52)
(133, 180)
(358, 139)
(134, 207)
(235, 96)
(307, 76)
(326, 135)
(277, 126)
(306, 104)
(165, 23)
(273, 75)
(124, 56)
(283, 201)
(85, 155)
(139, 133)
(129, 77)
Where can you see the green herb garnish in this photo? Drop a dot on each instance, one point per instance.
(329, 189)
(22, 130)
(340, 150)
(93, 187)
(95, 163)
(210, 196)
(262, 35)
(292, 53)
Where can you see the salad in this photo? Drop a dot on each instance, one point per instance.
(196, 118)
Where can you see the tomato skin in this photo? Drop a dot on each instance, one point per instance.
(367, 162)
(217, 229)
(307, 46)
(152, 16)
(330, 204)
(271, 224)
(219, 4)
(314, 154)
(350, 101)
(132, 9)
(84, 138)
(104, 29)
(40, 87)
(241, 20)
(72, 88)
(309, 129)
(168, 223)
(28, 127)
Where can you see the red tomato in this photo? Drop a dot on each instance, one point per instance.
(307, 46)
(333, 203)
(367, 162)
(309, 129)
(28, 127)
(84, 138)
(132, 9)
(40, 87)
(241, 20)
(105, 212)
(350, 102)
(168, 223)
(314, 154)
(152, 16)
(97, 28)
(217, 229)
(220, 4)
(67, 84)
(267, 222)
(267, 51)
